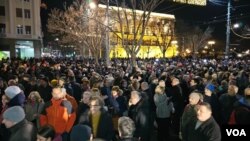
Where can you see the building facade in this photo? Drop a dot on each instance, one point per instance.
(158, 33)
(20, 28)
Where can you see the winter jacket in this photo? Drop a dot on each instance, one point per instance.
(23, 131)
(59, 114)
(209, 130)
(163, 106)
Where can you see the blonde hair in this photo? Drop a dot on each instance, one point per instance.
(247, 91)
(159, 90)
(36, 95)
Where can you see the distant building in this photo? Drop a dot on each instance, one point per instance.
(20, 28)
(160, 29)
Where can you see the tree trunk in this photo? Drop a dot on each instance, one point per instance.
(133, 59)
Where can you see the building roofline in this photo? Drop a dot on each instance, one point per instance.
(154, 14)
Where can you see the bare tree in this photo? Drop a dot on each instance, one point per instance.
(163, 31)
(129, 20)
(194, 37)
(199, 38)
(78, 23)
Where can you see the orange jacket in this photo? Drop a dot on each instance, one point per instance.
(59, 114)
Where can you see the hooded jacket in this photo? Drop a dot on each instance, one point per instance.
(59, 114)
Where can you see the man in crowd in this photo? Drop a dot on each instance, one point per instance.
(20, 128)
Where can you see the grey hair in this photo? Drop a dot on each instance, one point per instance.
(126, 127)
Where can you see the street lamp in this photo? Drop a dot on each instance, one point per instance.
(92, 5)
(211, 43)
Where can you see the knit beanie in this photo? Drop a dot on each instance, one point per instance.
(210, 87)
(14, 114)
(12, 91)
(54, 83)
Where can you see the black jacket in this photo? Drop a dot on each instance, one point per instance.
(139, 113)
(208, 131)
(23, 131)
(105, 128)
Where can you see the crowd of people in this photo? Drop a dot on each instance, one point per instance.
(64, 99)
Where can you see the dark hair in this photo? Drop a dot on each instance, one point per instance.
(47, 131)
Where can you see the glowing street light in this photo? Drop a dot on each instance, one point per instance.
(236, 25)
(92, 5)
(211, 42)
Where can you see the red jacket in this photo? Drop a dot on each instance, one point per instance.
(59, 114)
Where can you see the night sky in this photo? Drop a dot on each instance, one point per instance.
(210, 15)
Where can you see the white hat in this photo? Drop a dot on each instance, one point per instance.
(12, 91)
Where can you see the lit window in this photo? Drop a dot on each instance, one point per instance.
(28, 29)
(19, 29)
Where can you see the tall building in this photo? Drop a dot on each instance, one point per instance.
(20, 28)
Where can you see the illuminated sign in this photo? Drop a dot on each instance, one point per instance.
(193, 2)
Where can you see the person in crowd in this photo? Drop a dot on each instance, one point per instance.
(33, 108)
(80, 133)
(44, 89)
(3, 86)
(15, 96)
(76, 87)
(4, 133)
(4, 107)
(99, 120)
(211, 98)
(20, 128)
(195, 85)
(139, 113)
(59, 83)
(189, 114)
(85, 84)
(46, 133)
(205, 128)
(227, 101)
(241, 111)
(163, 112)
(118, 101)
(105, 90)
(83, 108)
(176, 95)
(126, 129)
(59, 113)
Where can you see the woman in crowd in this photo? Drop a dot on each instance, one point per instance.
(33, 107)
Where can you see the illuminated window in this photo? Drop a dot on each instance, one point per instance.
(19, 29)
(192, 2)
